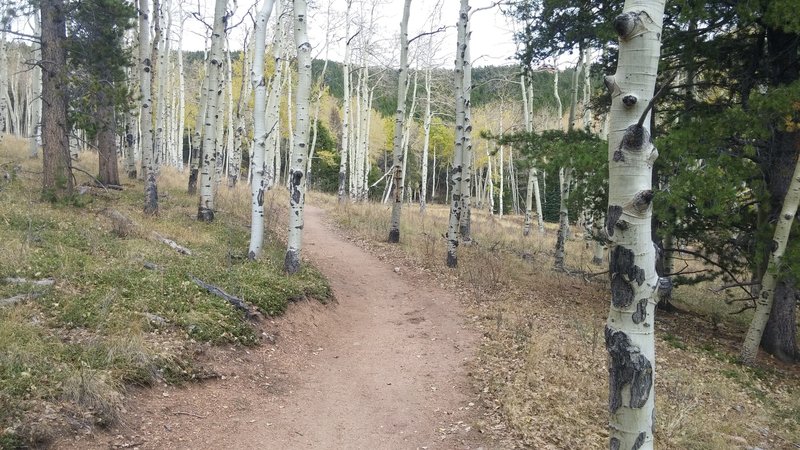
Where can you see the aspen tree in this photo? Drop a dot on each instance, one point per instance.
(629, 330)
(320, 91)
(300, 149)
(196, 146)
(181, 95)
(274, 103)
(769, 281)
(205, 210)
(258, 163)
(35, 125)
(456, 174)
(397, 151)
(345, 148)
(146, 115)
(5, 123)
(427, 137)
(467, 162)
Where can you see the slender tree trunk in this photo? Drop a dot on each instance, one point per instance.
(5, 107)
(57, 181)
(196, 147)
(573, 104)
(456, 203)
(629, 330)
(181, 96)
(402, 88)
(559, 107)
(205, 210)
(565, 178)
(300, 149)
(344, 153)
(426, 141)
(147, 135)
(258, 163)
(500, 164)
(274, 103)
(468, 163)
(318, 102)
(35, 125)
(769, 282)
(107, 140)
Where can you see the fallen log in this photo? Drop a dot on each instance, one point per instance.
(42, 282)
(11, 301)
(174, 245)
(250, 311)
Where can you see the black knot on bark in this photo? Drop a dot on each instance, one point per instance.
(628, 368)
(634, 137)
(642, 200)
(629, 100)
(624, 24)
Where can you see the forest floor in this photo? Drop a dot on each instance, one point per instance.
(383, 367)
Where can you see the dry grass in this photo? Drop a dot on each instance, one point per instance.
(542, 365)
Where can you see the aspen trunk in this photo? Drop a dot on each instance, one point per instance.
(196, 146)
(456, 203)
(344, 153)
(466, 175)
(273, 104)
(5, 123)
(629, 330)
(35, 125)
(565, 178)
(426, 141)
(397, 152)
(300, 149)
(769, 281)
(317, 103)
(559, 107)
(258, 163)
(211, 156)
(146, 115)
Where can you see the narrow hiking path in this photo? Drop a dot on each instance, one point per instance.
(385, 367)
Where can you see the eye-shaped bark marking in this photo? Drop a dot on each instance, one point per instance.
(613, 215)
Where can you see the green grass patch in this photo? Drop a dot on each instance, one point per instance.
(98, 328)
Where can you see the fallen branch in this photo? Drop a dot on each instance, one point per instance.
(43, 282)
(249, 311)
(174, 245)
(18, 299)
(182, 413)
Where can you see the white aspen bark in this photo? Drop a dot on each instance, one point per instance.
(159, 53)
(512, 181)
(426, 140)
(367, 118)
(769, 281)
(559, 106)
(526, 228)
(147, 136)
(345, 149)
(36, 94)
(5, 122)
(565, 179)
(258, 163)
(456, 204)
(320, 91)
(490, 180)
(196, 146)
(300, 149)
(629, 329)
(397, 151)
(289, 125)
(234, 158)
(500, 164)
(356, 164)
(274, 103)
(407, 130)
(205, 210)
(573, 104)
(181, 96)
(600, 248)
(587, 88)
(466, 175)
(433, 174)
(222, 154)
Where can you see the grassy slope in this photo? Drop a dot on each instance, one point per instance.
(108, 322)
(541, 368)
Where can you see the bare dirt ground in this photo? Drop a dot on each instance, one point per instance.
(384, 367)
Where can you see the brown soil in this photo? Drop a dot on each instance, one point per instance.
(385, 366)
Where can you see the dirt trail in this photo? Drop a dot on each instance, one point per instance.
(385, 368)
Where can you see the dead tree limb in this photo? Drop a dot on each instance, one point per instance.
(249, 311)
(174, 245)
